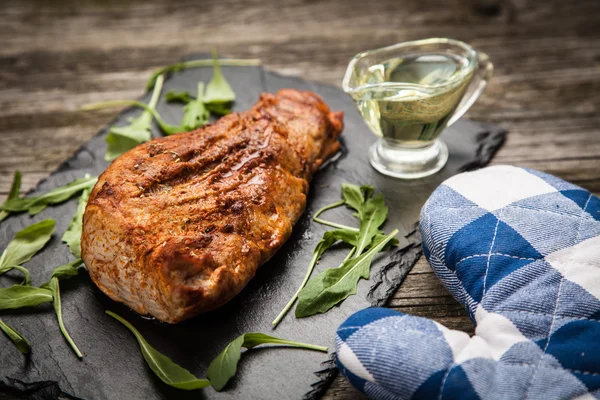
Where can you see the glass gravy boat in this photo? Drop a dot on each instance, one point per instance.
(408, 94)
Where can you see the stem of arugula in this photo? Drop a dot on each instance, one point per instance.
(286, 309)
(349, 255)
(298, 344)
(333, 224)
(207, 62)
(156, 92)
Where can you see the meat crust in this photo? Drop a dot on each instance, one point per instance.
(179, 225)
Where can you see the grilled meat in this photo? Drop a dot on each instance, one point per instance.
(179, 225)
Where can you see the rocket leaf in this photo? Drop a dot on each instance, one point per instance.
(54, 288)
(218, 89)
(195, 113)
(205, 62)
(334, 285)
(18, 296)
(329, 239)
(124, 138)
(164, 368)
(15, 187)
(27, 243)
(72, 236)
(37, 203)
(224, 367)
(182, 97)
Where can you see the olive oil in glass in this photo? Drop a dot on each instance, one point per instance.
(408, 94)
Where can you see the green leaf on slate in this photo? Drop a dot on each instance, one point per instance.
(218, 108)
(18, 296)
(15, 187)
(27, 243)
(124, 138)
(371, 215)
(72, 236)
(224, 367)
(53, 287)
(67, 270)
(329, 239)
(353, 196)
(37, 203)
(164, 368)
(335, 284)
(218, 89)
(182, 97)
(19, 340)
(195, 113)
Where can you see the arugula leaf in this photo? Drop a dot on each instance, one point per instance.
(18, 296)
(218, 89)
(27, 243)
(224, 367)
(67, 270)
(36, 204)
(185, 97)
(196, 64)
(353, 196)
(54, 288)
(218, 108)
(165, 127)
(182, 97)
(72, 236)
(15, 187)
(335, 284)
(195, 114)
(19, 340)
(164, 368)
(329, 239)
(124, 138)
(371, 215)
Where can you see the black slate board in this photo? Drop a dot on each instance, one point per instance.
(113, 367)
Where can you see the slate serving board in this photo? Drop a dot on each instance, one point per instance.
(113, 367)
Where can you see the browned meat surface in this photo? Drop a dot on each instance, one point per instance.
(179, 225)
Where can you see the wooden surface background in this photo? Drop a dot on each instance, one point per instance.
(58, 55)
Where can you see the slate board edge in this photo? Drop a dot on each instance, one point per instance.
(489, 143)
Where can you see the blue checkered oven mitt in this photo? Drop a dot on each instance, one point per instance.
(520, 249)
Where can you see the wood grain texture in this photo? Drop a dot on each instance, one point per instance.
(546, 88)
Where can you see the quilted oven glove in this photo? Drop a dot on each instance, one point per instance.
(520, 249)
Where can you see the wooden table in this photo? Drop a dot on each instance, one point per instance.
(58, 55)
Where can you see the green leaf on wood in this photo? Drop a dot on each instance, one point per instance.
(164, 368)
(19, 340)
(224, 367)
